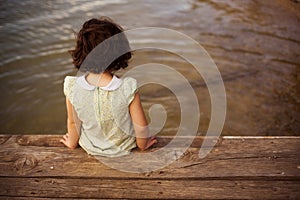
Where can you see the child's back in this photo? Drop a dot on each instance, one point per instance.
(104, 112)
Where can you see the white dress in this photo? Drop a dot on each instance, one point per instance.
(106, 128)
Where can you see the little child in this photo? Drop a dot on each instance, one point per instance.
(105, 115)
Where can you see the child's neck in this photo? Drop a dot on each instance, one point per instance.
(100, 80)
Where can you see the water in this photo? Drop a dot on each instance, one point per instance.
(255, 44)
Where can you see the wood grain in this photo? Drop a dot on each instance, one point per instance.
(149, 188)
(237, 168)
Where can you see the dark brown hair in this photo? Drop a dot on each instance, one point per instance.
(94, 32)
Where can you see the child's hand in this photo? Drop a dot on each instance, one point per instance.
(151, 141)
(68, 142)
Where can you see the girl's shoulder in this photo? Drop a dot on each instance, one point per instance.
(129, 81)
(129, 84)
(69, 82)
(69, 79)
(129, 87)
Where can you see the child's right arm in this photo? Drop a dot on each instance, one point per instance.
(143, 140)
(71, 138)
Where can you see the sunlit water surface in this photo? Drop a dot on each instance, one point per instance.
(255, 44)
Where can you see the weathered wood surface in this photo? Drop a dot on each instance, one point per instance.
(38, 166)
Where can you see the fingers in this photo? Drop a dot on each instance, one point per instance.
(66, 141)
(151, 141)
(154, 141)
(65, 137)
(63, 141)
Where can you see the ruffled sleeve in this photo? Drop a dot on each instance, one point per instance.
(69, 87)
(130, 88)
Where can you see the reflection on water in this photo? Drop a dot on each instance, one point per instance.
(255, 44)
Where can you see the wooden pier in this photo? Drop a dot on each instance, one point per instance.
(39, 167)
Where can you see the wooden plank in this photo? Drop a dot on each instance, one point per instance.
(149, 189)
(53, 140)
(238, 168)
(252, 158)
(47, 198)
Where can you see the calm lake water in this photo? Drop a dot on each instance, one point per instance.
(255, 44)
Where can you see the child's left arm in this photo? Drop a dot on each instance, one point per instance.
(143, 138)
(71, 138)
